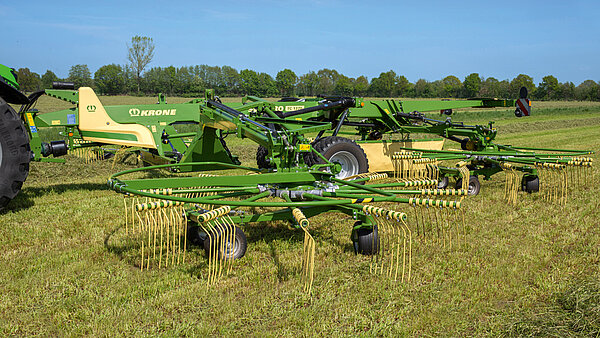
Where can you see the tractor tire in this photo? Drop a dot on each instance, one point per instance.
(474, 185)
(367, 242)
(530, 183)
(15, 154)
(343, 151)
(239, 246)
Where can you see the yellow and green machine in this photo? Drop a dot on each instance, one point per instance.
(320, 155)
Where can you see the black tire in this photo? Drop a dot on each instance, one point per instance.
(193, 235)
(15, 154)
(467, 144)
(474, 185)
(344, 151)
(530, 183)
(443, 182)
(367, 241)
(239, 248)
(261, 158)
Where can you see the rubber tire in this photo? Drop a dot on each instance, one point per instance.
(474, 185)
(331, 145)
(365, 244)
(241, 244)
(443, 182)
(467, 144)
(16, 154)
(530, 183)
(193, 235)
(261, 158)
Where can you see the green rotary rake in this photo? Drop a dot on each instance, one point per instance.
(213, 210)
(315, 156)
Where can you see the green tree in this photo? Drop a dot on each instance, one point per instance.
(48, 78)
(566, 91)
(212, 77)
(385, 85)
(267, 87)
(521, 80)
(153, 81)
(327, 80)
(129, 80)
(140, 54)
(472, 85)
(109, 79)
(548, 88)
(423, 88)
(171, 80)
(361, 86)
(81, 76)
(587, 90)
(28, 81)
(403, 87)
(343, 86)
(185, 80)
(249, 82)
(308, 84)
(231, 80)
(489, 87)
(451, 86)
(286, 82)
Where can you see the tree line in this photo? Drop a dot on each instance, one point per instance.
(191, 81)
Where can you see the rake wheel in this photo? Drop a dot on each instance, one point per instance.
(367, 242)
(530, 183)
(443, 182)
(193, 235)
(235, 250)
(474, 185)
(15, 154)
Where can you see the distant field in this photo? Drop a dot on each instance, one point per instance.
(529, 269)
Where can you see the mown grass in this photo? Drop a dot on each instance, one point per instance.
(529, 269)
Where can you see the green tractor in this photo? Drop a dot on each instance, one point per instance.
(15, 152)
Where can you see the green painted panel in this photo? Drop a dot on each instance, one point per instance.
(106, 135)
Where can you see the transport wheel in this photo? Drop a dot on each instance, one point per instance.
(474, 185)
(235, 250)
(193, 235)
(443, 182)
(261, 158)
(467, 144)
(530, 183)
(15, 154)
(345, 152)
(367, 242)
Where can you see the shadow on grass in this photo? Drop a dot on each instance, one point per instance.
(25, 199)
(118, 250)
(258, 232)
(573, 312)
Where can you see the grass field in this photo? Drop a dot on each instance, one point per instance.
(529, 269)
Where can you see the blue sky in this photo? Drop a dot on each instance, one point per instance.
(418, 39)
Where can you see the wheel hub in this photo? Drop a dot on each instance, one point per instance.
(232, 250)
(347, 161)
(472, 188)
